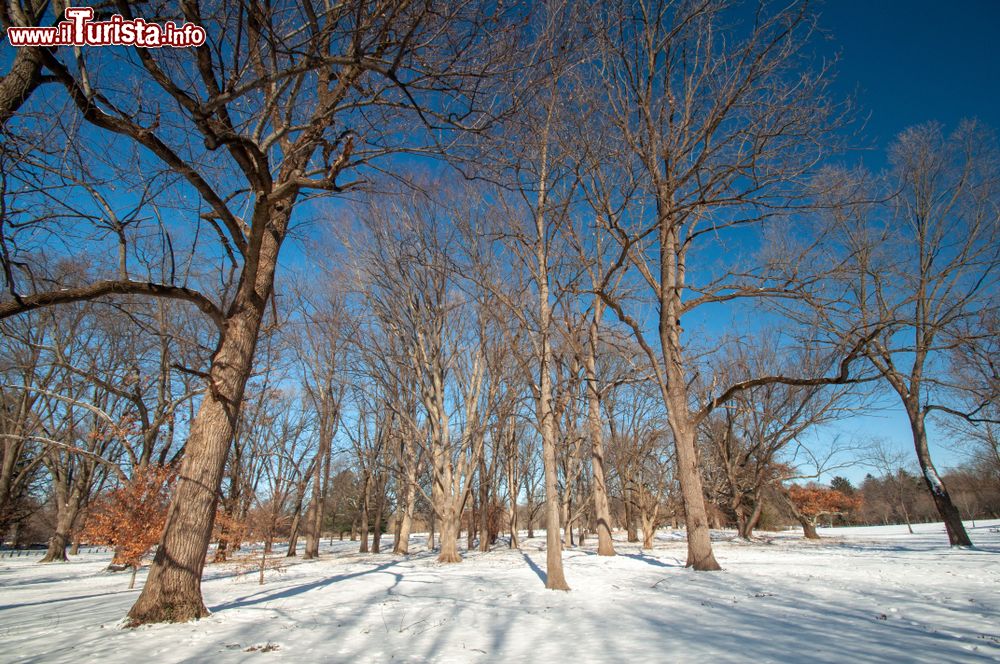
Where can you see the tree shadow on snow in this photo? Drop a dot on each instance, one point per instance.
(535, 568)
(650, 560)
(284, 593)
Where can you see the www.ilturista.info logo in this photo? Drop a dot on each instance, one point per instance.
(80, 30)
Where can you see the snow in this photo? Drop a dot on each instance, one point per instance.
(859, 594)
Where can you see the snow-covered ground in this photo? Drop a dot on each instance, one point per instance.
(860, 594)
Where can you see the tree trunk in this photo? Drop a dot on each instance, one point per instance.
(554, 577)
(531, 513)
(449, 536)
(24, 76)
(430, 535)
(602, 510)
(321, 481)
(402, 546)
(513, 486)
(567, 513)
(68, 504)
(751, 522)
(648, 533)
(172, 592)
(700, 556)
(221, 550)
(60, 539)
(942, 499)
(377, 526)
(293, 535)
(906, 514)
(363, 516)
(808, 527)
(484, 506)
(631, 529)
(471, 530)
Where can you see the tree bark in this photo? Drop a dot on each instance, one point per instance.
(700, 556)
(60, 539)
(484, 506)
(363, 515)
(172, 592)
(402, 546)
(377, 525)
(942, 499)
(602, 510)
(314, 515)
(449, 537)
(750, 523)
(631, 529)
(554, 577)
(24, 76)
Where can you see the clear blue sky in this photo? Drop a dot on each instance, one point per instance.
(912, 61)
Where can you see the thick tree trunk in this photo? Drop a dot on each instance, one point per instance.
(746, 531)
(24, 76)
(60, 539)
(172, 592)
(942, 499)
(221, 550)
(700, 555)
(449, 536)
(554, 577)
(648, 533)
(808, 529)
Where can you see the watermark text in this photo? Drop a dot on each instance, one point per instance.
(79, 29)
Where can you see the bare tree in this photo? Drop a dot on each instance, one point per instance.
(920, 269)
(763, 429)
(717, 134)
(320, 346)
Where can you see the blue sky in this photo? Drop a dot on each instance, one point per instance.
(912, 61)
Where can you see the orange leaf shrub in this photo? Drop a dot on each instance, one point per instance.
(814, 502)
(131, 517)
